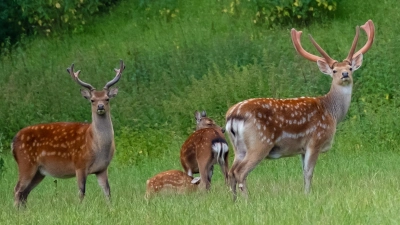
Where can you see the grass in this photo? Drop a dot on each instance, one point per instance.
(348, 188)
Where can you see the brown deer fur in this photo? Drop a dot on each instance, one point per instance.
(171, 181)
(204, 148)
(65, 149)
(273, 128)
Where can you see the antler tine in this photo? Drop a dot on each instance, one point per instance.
(369, 29)
(75, 75)
(117, 76)
(296, 35)
(353, 46)
(327, 58)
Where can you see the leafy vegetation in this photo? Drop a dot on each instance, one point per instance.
(286, 12)
(26, 17)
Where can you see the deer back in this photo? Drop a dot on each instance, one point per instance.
(171, 181)
(200, 145)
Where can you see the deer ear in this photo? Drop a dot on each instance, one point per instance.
(203, 113)
(195, 180)
(86, 93)
(324, 67)
(357, 62)
(197, 116)
(112, 92)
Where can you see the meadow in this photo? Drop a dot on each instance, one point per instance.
(207, 59)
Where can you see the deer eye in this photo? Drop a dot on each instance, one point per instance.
(107, 99)
(351, 69)
(92, 101)
(334, 71)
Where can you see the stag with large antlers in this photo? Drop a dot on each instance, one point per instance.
(273, 128)
(66, 149)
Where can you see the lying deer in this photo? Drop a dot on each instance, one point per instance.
(204, 148)
(171, 181)
(65, 149)
(273, 128)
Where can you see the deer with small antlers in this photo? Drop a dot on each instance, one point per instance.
(204, 148)
(273, 128)
(171, 181)
(67, 149)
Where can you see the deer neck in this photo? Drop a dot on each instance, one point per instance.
(337, 101)
(102, 129)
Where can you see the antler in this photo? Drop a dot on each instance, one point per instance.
(353, 46)
(369, 29)
(74, 76)
(296, 36)
(117, 76)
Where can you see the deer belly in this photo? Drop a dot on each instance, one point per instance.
(57, 170)
(99, 165)
(280, 152)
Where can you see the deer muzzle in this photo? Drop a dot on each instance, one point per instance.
(100, 109)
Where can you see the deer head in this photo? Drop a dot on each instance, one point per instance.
(341, 72)
(202, 121)
(99, 99)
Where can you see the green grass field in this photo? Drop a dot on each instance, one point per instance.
(207, 60)
(356, 187)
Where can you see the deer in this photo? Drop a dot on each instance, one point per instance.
(203, 149)
(269, 128)
(171, 181)
(68, 149)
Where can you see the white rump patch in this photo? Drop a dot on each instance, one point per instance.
(220, 149)
(195, 180)
(235, 129)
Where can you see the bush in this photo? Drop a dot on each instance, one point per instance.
(165, 10)
(46, 16)
(284, 12)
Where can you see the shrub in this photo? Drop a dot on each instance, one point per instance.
(46, 16)
(284, 12)
(165, 10)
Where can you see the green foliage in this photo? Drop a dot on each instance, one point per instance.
(10, 28)
(46, 17)
(285, 12)
(165, 10)
(2, 166)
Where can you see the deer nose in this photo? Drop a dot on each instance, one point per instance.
(100, 107)
(345, 74)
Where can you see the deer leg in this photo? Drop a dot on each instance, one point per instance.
(34, 182)
(204, 169)
(24, 181)
(81, 179)
(224, 167)
(210, 172)
(309, 159)
(232, 179)
(102, 179)
(253, 157)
